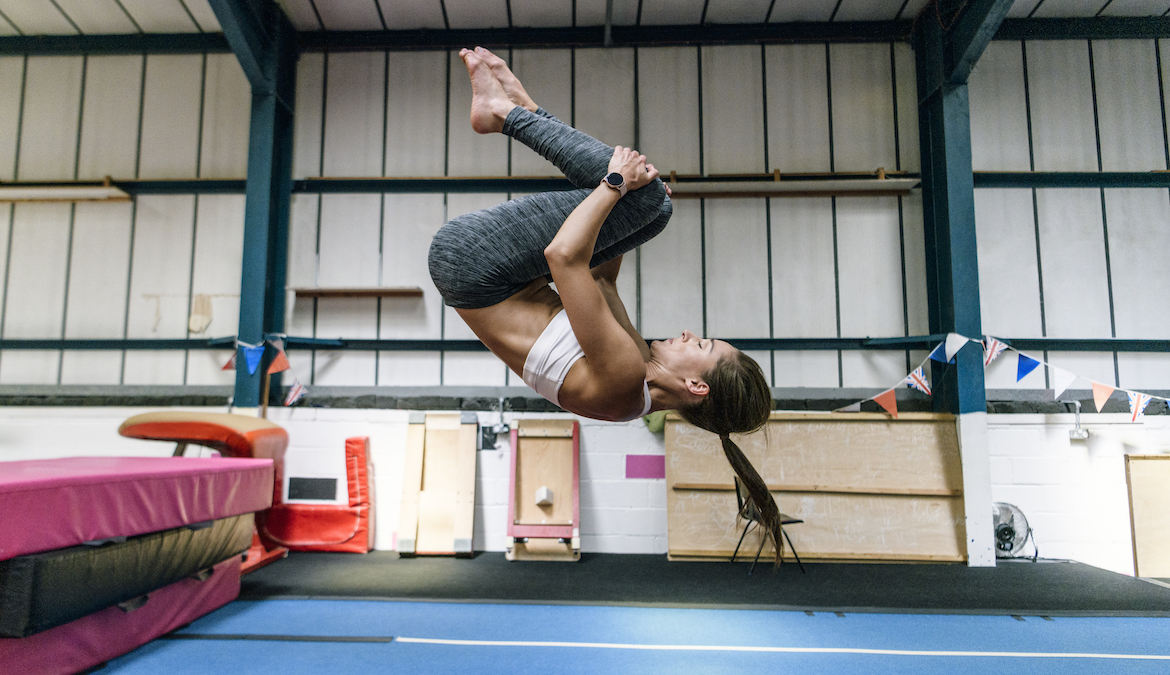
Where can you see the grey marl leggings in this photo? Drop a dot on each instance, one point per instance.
(485, 257)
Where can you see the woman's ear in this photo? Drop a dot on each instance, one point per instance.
(697, 387)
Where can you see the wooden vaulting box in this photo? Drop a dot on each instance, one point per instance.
(867, 487)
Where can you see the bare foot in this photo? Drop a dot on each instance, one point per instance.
(508, 81)
(490, 105)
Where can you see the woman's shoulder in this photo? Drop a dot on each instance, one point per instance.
(600, 393)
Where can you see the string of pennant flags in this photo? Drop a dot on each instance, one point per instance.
(992, 348)
(253, 354)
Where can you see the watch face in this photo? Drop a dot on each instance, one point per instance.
(615, 179)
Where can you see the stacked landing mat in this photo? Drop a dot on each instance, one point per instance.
(99, 555)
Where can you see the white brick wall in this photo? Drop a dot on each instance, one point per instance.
(1073, 492)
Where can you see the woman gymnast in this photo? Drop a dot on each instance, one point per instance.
(576, 346)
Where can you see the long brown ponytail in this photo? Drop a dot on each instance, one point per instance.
(739, 401)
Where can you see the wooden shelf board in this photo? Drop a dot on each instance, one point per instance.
(383, 292)
(894, 492)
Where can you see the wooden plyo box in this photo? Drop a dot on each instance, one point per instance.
(545, 454)
(438, 486)
(867, 487)
(1148, 480)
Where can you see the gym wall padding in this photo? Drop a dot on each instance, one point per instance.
(40, 591)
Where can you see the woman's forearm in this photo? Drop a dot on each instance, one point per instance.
(578, 235)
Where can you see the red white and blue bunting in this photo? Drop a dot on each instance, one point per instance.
(280, 363)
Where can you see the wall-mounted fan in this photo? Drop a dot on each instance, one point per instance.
(1011, 531)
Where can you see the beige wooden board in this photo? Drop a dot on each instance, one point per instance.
(446, 501)
(836, 527)
(1148, 477)
(551, 550)
(411, 486)
(436, 522)
(464, 484)
(867, 487)
(544, 460)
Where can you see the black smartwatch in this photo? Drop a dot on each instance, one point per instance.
(615, 181)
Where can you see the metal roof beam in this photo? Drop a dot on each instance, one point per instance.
(970, 35)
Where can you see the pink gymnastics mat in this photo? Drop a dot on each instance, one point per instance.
(54, 503)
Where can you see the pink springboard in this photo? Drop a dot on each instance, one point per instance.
(55, 503)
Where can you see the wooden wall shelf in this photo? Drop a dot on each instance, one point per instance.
(383, 292)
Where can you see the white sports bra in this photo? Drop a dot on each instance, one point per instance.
(551, 357)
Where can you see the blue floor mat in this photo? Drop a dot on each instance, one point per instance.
(989, 636)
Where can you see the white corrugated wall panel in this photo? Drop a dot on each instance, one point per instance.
(605, 95)
(97, 17)
(170, 116)
(227, 108)
(307, 120)
(11, 80)
(541, 13)
(416, 114)
(798, 108)
(668, 106)
(1128, 106)
(863, 107)
(1061, 97)
(737, 11)
(999, 110)
(219, 254)
(672, 275)
(411, 16)
(159, 285)
(48, 137)
(671, 12)
(354, 110)
(733, 110)
(737, 268)
(160, 16)
(97, 290)
(109, 123)
(349, 15)
(352, 318)
(36, 17)
(906, 81)
(477, 14)
(35, 292)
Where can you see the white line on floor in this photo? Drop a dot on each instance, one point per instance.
(790, 650)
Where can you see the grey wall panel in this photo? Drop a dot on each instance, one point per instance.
(160, 16)
(1061, 96)
(1139, 236)
(804, 301)
(349, 15)
(97, 290)
(914, 249)
(416, 113)
(97, 17)
(605, 95)
(302, 15)
(542, 72)
(1009, 282)
(346, 317)
(219, 254)
(409, 369)
(170, 116)
(307, 122)
(354, 114)
(737, 268)
(159, 285)
(36, 17)
(6, 29)
(592, 12)
(668, 106)
(11, 78)
(34, 302)
(1072, 250)
(798, 108)
(304, 215)
(873, 369)
(1022, 8)
(1128, 106)
(109, 123)
(300, 322)
(1066, 8)
(204, 15)
(862, 107)
(350, 233)
(410, 223)
(469, 153)
(48, 138)
(671, 12)
(526, 13)
(474, 369)
(477, 13)
(733, 110)
(999, 110)
(737, 11)
(810, 10)
(1136, 8)
(905, 78)
(672, 276)
(411, 16)
(227, 107)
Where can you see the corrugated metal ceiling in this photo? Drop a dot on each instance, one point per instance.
(97, 17)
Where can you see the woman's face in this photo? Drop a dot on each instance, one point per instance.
(689, 355)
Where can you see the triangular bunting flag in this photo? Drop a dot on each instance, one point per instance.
(852, 407)
(296, 392)
(279, 362)
(918, 381)
(1061, 379)
(1026, 365)
(940, 354)
(231, 364)
(1101, 393)
(953, 344)
(888, 403)
(991, 349)
(252, 356)
(1137, 405)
